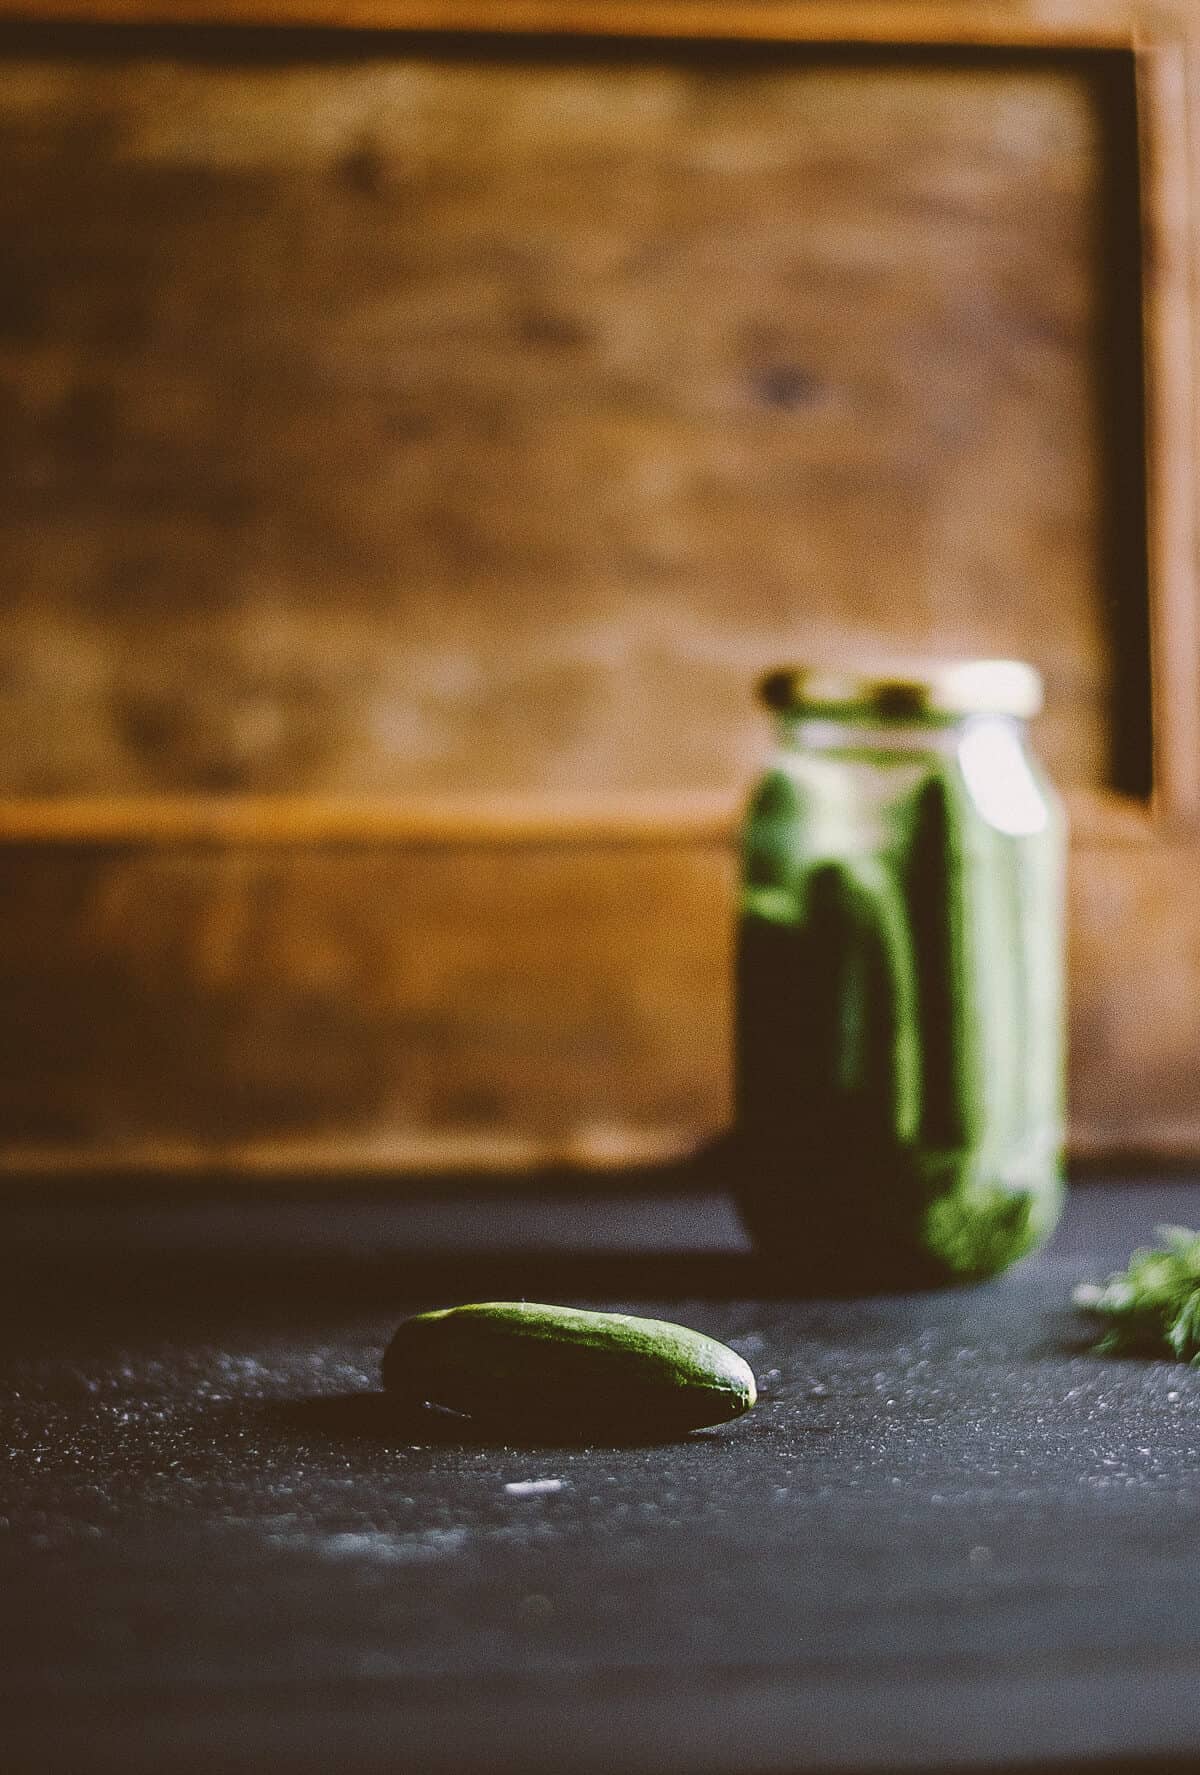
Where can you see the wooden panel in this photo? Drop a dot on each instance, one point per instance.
(379, 1010)
(1135, 1025)
(395, 420)
(410, 422)
(365, 1008)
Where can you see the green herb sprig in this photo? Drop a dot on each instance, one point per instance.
(1153, 1307)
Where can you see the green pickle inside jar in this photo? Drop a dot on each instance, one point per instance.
(899, 1092)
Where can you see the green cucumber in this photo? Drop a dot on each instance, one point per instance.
(526, 1367)
(953, 1112)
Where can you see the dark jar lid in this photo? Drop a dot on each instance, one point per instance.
(943, 690)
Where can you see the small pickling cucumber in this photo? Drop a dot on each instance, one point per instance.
(526, 1367)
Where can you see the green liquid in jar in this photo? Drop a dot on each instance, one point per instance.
(899, 1009)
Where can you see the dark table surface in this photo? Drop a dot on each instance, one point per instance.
(948, 1537)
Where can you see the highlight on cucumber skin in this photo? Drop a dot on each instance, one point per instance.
(529, 1367)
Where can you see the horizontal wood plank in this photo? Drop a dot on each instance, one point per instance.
(993, 23)
(697, 818)
(557, 1002)
(273, 821)
(473, 1006)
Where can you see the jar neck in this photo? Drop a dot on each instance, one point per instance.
(856, 731)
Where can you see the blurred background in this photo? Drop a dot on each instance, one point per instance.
(412, 452)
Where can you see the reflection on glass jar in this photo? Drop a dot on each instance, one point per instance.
(900, 980)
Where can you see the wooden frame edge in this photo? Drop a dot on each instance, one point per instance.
(1098, 820)
(270, 821)
(1066, 24)
(1169, 247)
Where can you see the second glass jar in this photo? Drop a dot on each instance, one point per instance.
(899, 1088)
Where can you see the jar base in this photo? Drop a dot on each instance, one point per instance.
(914, 1223)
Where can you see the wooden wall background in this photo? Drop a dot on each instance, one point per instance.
(441, 438)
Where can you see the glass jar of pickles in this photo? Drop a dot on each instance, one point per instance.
(899, 1070)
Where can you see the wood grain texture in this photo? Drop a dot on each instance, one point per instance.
(1171, 248)
(288, 822)
(1135, 1024)
(411, 424)
(504, 1007)
(385, 1008)
(411, 458)
(1038, 23)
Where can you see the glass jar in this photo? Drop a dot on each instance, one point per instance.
(899, 1088)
